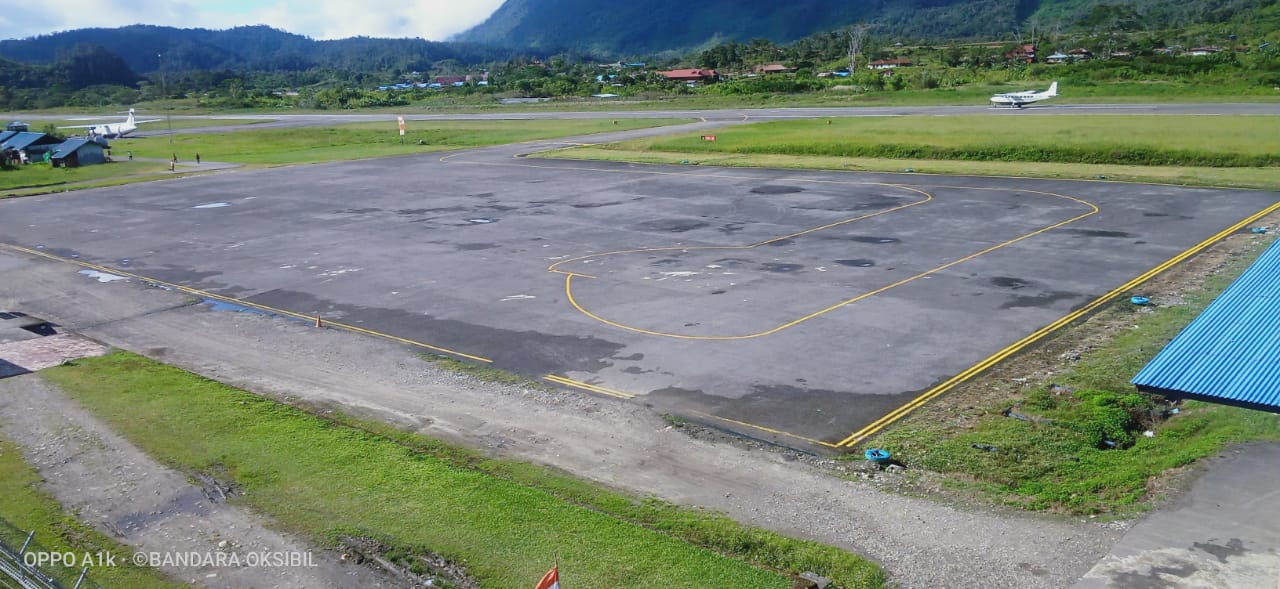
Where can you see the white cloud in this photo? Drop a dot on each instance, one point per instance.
(321, 19)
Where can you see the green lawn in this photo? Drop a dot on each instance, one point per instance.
(1062, 460)
(1229, 141)
(503, 520)
(25, 507)
(44, 175)
(367, 140)
(1262, 178)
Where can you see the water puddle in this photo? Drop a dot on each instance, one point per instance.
(212, 205)
(217, 305)
(102, 276)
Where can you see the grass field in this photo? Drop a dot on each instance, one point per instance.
(1239, 141)
(1261, 178)
(46, 176)
(1061, 460)
(503, 520)
(1082, 147)
(366, 140)
(25, 507)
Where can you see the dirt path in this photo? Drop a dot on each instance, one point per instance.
(625, 445)
(121, 491)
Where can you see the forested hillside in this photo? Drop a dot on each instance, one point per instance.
(650, 26)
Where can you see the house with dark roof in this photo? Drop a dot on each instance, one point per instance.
(74, 153)
(774, 68)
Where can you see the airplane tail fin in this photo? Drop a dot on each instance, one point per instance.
(1053, 89)
(130, 119)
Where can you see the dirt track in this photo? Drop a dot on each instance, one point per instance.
(117, 488)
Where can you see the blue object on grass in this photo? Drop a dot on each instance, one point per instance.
(877, 455)
(1139, 300)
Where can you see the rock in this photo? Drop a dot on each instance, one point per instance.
(817, 580)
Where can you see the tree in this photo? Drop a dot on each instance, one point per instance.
(857, 36)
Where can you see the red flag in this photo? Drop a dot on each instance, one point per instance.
(551, 580)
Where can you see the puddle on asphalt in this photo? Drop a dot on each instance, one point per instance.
(869, 239)
(44, 329)
(481, 220)
(217, 305)
(776, 189)
(212, 205)
(857, 263)
(102, 276)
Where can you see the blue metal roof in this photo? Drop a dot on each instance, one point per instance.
(70, 145)
(1230, 354)
(24, 139)
(5, 135)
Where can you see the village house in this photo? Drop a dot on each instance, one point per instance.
(1024, 53)
(774, 68)
(690, 75)
(888, 64)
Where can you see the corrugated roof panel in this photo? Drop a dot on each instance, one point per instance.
(1231, 352)
(68, 146)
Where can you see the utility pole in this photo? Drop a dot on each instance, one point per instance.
(168, 114)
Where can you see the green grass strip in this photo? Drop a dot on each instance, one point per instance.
(1263, 178)
(1155, 140)
(43, 175)
(1060, 461)
(25, 507)
(366, 140)
(503, 520)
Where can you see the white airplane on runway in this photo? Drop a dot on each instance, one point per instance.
(113, 130)
(1019, 99)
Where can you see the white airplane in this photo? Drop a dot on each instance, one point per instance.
(1020, 99)
(113, 130)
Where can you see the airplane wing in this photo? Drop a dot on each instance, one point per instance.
(147, 121)
(88, 126)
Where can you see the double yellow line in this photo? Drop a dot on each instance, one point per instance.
(243, 303)
(857, 437)
(560, 380)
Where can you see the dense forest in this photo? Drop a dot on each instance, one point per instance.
(260, 67)
(657, 26)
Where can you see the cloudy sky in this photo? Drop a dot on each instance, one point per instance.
(321, 19)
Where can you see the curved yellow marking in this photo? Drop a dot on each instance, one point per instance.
(244, 303)
(568, 279)
(879, 424)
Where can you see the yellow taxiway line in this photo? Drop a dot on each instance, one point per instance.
(879, 424)
(244, 303)
(587, 386)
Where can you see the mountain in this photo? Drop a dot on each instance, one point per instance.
(639, 27)
(148, 49)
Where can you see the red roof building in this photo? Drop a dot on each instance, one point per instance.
(1025, 53)
(694, 75)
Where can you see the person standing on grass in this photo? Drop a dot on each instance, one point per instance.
(197, 158)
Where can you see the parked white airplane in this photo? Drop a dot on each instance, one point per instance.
(1019, 99)
(113, 130)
